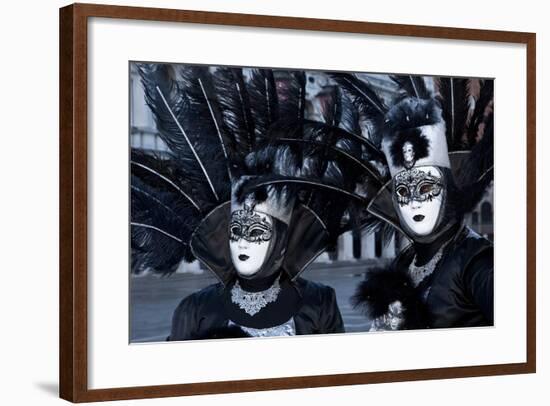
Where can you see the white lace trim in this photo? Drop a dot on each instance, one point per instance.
(253, 302)
(285, 329)
(418, 273)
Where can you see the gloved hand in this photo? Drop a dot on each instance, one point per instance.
(392, 320)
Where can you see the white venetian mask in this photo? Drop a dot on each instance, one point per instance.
(419, 193)
(250, 234)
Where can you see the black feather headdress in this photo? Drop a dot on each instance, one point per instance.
(229, 126)
(172, 192)
(465, 106)
(221, 124)
(319, 163)
(411, 86)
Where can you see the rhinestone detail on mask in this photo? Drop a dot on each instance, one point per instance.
(253, 302)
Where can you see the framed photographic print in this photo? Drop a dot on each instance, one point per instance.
(233, 198)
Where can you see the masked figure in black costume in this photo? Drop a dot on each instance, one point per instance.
(448, 269)
(254, 248)
(206, 199)
(438, 163)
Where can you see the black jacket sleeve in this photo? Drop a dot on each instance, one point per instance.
(200, 316)
(478, 278)
(331, 317)
(184, 320)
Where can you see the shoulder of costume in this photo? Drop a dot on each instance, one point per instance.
(470, 243)
(475, 246)
(402, 259)
(311, 289)
(197, 300)
(466, 247)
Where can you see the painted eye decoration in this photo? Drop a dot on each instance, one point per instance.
(426, 188)
(403, 191)
(235, 232)
(256, 232)
(403, 194)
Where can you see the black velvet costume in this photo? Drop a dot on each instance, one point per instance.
(459, 293)
(204, 314)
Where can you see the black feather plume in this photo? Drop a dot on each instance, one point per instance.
(366, 101)
(235, 104)
(350, 120)
(264, 101)
(166, 209)
(158, 229)
(453, 97)
(291, 93)
(477, 173)
(411, 85)
(483, 107)
(331, 106)
(365, 98)
(185, 124)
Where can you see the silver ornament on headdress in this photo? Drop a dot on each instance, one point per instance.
(274, 205)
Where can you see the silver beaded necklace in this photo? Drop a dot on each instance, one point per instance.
(418, 273)
(253, 302)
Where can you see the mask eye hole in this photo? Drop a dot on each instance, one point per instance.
(256, 232)
(235, 230)
(426, 188)
(402, 191)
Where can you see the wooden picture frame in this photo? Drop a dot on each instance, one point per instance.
(73, 200)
